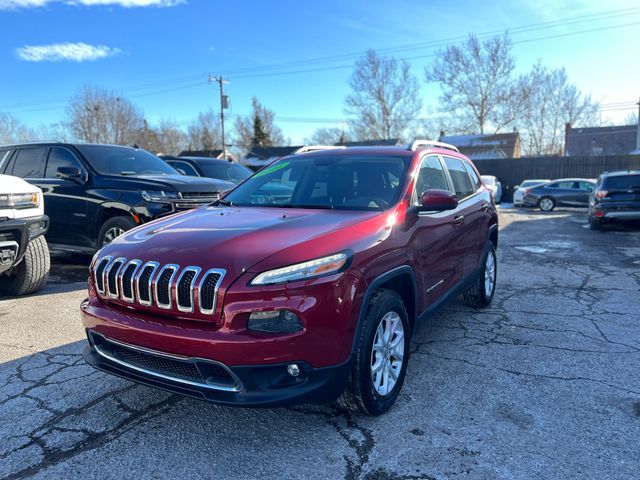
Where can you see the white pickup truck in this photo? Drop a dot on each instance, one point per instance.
(24, 254)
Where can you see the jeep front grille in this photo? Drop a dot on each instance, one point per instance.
(153, 285)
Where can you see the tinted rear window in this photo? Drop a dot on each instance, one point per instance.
(622, 182)
(29, 163)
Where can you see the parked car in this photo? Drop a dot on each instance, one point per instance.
(518, 195)
(615, 198)
(494, 186)
(93, 193)
(568, 192)
(209, 167)
(261, 300)
(24, 255)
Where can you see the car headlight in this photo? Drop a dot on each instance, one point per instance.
(20, 200)
(304, 270)
(159, 196)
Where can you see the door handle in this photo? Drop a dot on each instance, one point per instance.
(458, 219)
(485, 207)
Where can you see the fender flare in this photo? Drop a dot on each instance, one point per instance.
(373, 287)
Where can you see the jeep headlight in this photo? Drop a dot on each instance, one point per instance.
(20, 200)
(159, 196)
(303, 271)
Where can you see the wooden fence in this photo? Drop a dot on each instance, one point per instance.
(512, 171)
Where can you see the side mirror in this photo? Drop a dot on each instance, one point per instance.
(436, 200)
(69, 173)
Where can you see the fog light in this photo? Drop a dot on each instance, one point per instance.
(274, 321)
(293, 370)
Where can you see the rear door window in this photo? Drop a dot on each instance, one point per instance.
(184, 167)
(29, 163)
(461, 182)
(475, 180)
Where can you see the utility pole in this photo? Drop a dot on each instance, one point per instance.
(638, 128)
(224, 103)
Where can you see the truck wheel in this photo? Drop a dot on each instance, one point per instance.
(380, 360)
(113, 228)
(31, 273)
(480, 294)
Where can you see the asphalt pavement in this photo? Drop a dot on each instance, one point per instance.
(543, 384)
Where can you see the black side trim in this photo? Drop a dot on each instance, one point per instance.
(371, 289)
(457, 289)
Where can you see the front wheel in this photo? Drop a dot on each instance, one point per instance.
(378, 369)
(113, 228)
(480, 293)
(31, 273)
(546, 204)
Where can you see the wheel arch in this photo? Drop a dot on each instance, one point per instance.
(401, 280)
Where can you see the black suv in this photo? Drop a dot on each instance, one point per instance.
(93, 193)
(616, 198)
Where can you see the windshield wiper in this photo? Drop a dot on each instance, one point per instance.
(224, 202)
(320, 207)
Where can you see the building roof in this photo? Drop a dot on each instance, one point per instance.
(619, 140)
(486, 146)
(265, 153)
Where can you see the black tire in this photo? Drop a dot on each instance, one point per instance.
(594, 224)
(31, 273)
(360, 394)
(121, 223)
(476, 294)
(542, 205)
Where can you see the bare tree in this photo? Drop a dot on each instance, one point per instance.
(384, 101)
(205, 133)
(328, 136)
(257, 128)
(172, 140)
(631, 119)
(13, 130)
(551, 102)
(476, 79)
(99, 115)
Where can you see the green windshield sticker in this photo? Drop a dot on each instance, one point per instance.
(273, 168)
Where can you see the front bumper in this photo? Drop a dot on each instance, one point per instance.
(247, 385)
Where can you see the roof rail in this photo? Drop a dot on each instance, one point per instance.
(418, 144)
(315, 148)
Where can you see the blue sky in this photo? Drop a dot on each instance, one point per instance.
(158, 52)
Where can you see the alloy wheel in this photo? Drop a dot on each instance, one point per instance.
(112, 234)
(489, 274)
(387, 353)
(546, 204)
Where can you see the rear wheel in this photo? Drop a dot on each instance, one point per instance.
(546, 204)
(594, 224)
(113, 228)
(480, 294)
(380, 361)
(31, 273)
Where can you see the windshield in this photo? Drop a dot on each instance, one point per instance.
(231, 172)
(347, 183)
(488, 180)
(113, 160)
(622, 182)
(531, 183)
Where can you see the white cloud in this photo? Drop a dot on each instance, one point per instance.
(74, 52)
(16, 4)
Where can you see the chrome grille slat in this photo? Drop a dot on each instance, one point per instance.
(143, 283)
(150, 284)
(127, 276)
(208, 290)
(184, 288)
(111, 276)
(163, 286)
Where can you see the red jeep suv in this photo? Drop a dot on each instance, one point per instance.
(305, 283)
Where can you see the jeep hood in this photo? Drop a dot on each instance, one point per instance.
(179, 183)
(237, 238)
